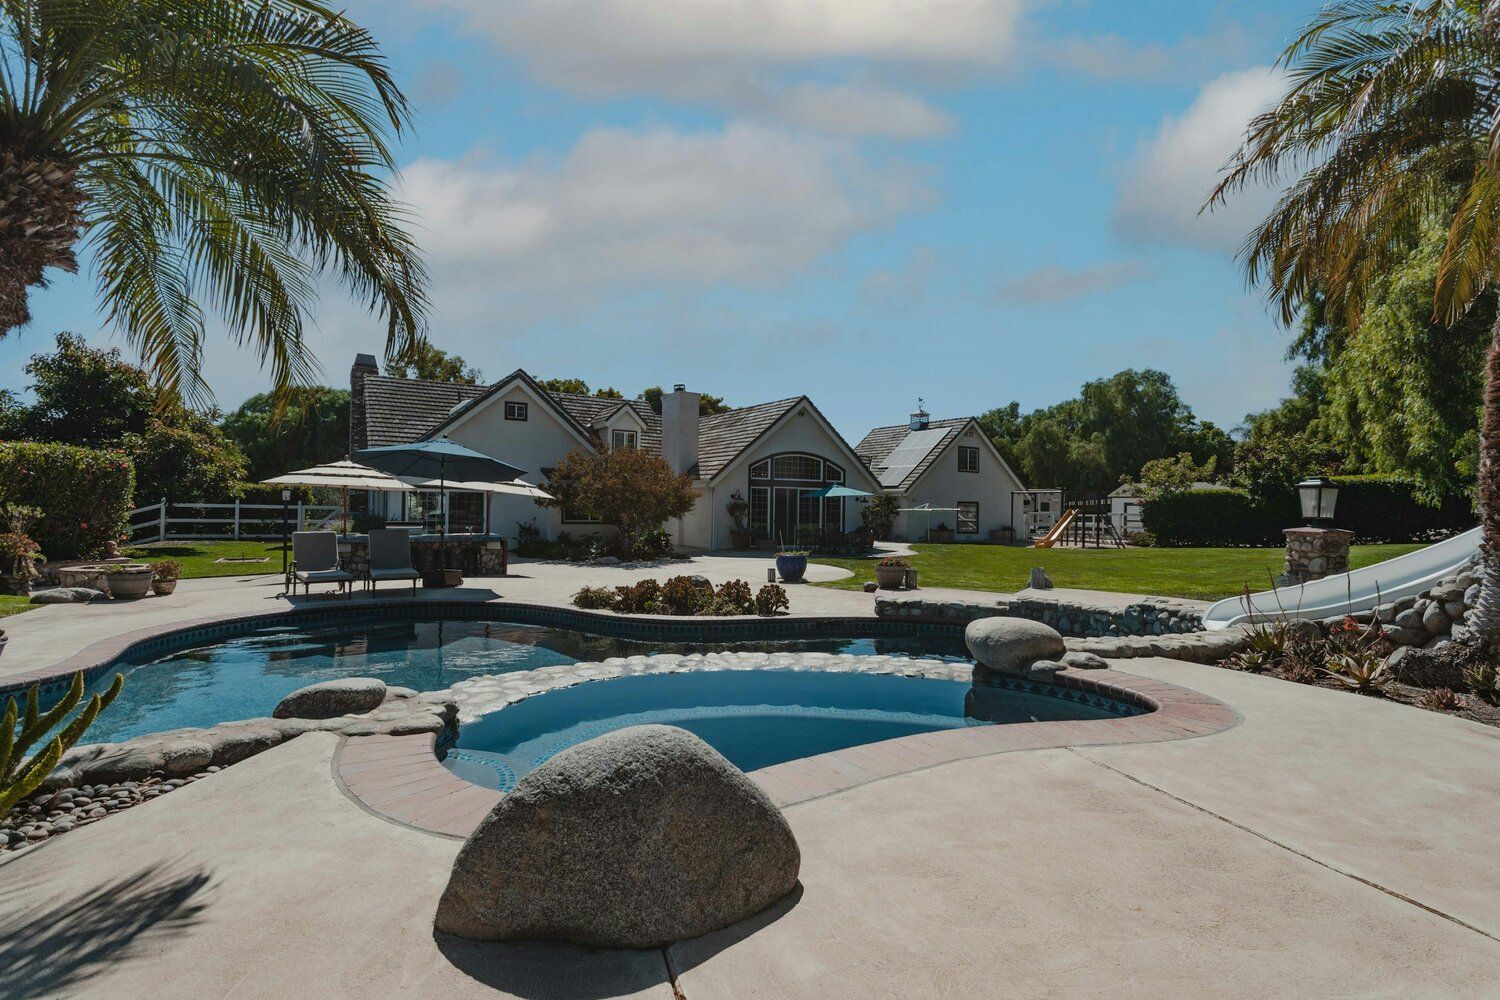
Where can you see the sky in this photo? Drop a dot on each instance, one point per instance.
(867, 201)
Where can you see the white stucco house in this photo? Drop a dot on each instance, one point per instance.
(773, 454)
(951, 468)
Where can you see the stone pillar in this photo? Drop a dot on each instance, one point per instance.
(1313, 553)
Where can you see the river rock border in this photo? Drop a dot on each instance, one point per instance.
(1151, 616)
(401, 779)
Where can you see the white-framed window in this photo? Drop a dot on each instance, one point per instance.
(760, 511)
(515, 410)
(578, 517)
(798, 468)
(968, 459)
(968, 517)
(622, 439)
(832, 473)
(761, 469)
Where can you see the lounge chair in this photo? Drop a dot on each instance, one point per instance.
(315, 559)
(390, 557)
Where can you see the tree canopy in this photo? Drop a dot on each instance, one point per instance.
(1105, 435)
(426, 361)
(312, 430)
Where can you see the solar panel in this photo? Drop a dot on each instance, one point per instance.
(909, 454)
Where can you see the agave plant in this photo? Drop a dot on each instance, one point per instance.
(20, 731)
(1269, 639)
(210, 154)
(1390, 124)
(1482, 679)
(1360, 672)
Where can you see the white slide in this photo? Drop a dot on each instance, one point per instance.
(1403, 576)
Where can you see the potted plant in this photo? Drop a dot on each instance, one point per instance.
(890, 572)
(738, 509)
(128, 580)
(942, 533)
(18, 556)
(168, 572)
(791, 564)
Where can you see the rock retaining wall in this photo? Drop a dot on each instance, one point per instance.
(1149, 617)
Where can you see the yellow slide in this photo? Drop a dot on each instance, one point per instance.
(1057, 530)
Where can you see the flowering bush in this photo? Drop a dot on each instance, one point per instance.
(167, 569)
(84, 494)
(894, 562)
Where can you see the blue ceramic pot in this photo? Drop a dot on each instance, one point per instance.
(791, 568)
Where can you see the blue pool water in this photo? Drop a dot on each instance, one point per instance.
(755, 718)
(245, 677)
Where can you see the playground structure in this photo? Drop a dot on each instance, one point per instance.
(1081, 521)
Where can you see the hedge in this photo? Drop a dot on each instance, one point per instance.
(83, 493)
(1375, 508)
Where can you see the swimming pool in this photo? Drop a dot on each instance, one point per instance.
(755, 718)
(244, 677)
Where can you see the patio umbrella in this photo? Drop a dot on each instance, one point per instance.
(441, 460)
(345, 476)
(839, 491)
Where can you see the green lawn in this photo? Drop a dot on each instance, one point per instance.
(13, 605)
(1203, 574)
(198, 558)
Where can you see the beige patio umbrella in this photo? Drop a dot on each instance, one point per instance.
(344, 476)
(515, 486)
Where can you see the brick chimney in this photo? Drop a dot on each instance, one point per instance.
(679, 429)
(364, 365)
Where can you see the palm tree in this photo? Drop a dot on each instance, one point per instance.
(227, 154)
(1391, 120)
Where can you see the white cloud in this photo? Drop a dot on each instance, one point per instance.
(1167, 181)
(1115, 57)
(903, 286)
(1050, 285)
(626, 212)
(784, 60)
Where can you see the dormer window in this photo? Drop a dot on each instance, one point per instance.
(515, 410)
(622, 439)
(968, 459)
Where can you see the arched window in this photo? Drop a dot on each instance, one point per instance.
(781, 505)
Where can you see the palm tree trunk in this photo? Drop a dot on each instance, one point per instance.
(1486, 621)
(39, 226)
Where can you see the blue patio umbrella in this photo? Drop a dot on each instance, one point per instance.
(440, 459)
(839, 490)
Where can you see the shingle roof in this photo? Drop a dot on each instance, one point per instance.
(881, 441)
(400, 410)
(722, 436)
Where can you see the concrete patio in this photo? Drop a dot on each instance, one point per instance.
(1330, 845)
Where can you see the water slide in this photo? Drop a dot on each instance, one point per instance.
(1050, 539)
(1361, 590)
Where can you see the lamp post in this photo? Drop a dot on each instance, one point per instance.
(286, 498)
(1318, 496)
(1316, 550)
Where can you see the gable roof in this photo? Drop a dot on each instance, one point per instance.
(722, 436)
(881, 441)
(587, 410)
(401, 410)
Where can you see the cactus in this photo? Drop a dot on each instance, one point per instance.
(20, 776)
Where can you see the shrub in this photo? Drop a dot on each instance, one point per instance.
(879, 515)
(639, 598)
(364, 522)
(733, 598)
(1375, 508)
(895, 562)
(84, 494)
(20, 730)
(595, 599)
(650, 545)
(633, 490)
(681, 595)
(1141, 539)
(771, 600)
(167, 569)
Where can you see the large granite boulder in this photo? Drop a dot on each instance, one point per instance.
(330, 699)
(66, 595)
(635, 839)
(1011, 645)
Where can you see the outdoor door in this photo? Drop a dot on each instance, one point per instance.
(784, 515)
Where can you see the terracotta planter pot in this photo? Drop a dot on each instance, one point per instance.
(163, 587)
(129, 584)
(890, 577)
(740, 540)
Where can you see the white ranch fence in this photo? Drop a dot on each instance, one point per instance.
(198, 521)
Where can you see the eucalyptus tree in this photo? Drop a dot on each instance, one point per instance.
(214, 158)
(1390, 123)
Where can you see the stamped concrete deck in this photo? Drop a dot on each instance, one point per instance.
(1330, 845)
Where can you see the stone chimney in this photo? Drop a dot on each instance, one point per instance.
(679, 429)
(364, 365)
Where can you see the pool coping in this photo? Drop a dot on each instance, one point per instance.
(400, 779)
(96, 658)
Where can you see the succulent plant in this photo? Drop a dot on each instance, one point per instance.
(21, 729)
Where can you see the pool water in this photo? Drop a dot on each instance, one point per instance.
(755, 718)
(244, 677)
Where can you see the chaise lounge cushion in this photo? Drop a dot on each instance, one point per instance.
(406, 573)
(323, 576)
